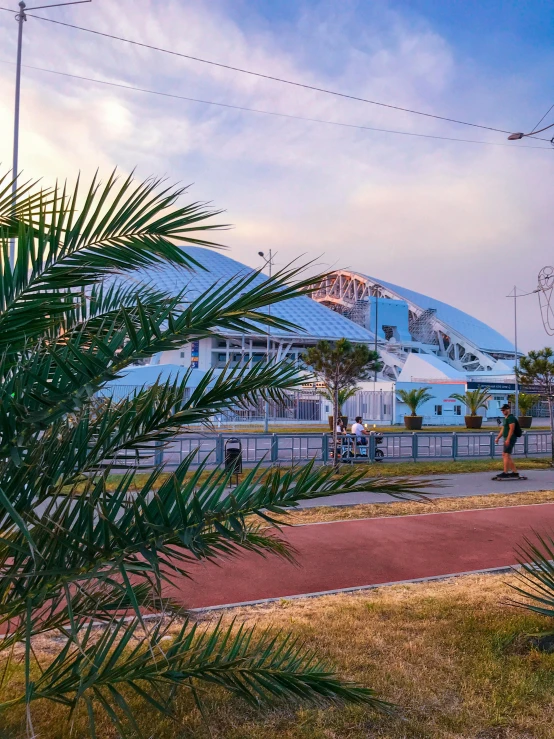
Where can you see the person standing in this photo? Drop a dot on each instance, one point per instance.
(508, 433)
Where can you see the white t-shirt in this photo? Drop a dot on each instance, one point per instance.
(358, 429)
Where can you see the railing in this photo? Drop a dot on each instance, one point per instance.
(290, 449)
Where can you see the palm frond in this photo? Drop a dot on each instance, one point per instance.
(261, 669)
(535, 575)
(79, 306)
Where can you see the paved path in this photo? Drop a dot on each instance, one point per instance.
(456, 486)
(353, 554)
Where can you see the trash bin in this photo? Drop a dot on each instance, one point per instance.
(233, 456)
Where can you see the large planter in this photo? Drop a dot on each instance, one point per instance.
(525, 421)
(413, 423)
(474, 422)
(332, 424)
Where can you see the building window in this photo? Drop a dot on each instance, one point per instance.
(438, 410)
(182, 355)
(458, 410)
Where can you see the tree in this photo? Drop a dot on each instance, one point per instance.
(473, 399)
(415, 397)
(77, 549)
(537, 369)
(339, 365)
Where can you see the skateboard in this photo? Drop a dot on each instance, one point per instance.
(501, 479)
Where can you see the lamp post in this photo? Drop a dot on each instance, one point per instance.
(376, 329)
(269, 264)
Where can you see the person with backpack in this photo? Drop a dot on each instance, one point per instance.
(510, 433)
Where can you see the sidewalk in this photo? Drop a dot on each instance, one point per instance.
(455, 486)
(368, 552)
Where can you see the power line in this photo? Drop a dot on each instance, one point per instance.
(265, 76)
(267, 112)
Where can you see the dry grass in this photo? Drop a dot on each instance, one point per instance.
(439, 505)
(448, 654)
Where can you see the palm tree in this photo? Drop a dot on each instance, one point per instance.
(76, 550)
(525, 402)
(415, 397)
(474, 400)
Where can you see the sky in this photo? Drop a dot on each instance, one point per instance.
(460, 221)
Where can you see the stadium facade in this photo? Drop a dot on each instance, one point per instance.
(421, 340)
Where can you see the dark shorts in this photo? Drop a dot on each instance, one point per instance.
(509, 447)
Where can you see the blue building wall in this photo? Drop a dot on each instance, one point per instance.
(442, 409)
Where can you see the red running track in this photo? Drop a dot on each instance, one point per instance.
(349, 554)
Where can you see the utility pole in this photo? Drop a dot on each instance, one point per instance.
(516, 355)
(515, 295)
(21, 18)
(268, 263)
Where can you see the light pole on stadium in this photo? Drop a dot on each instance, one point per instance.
(21, 17)
(268, 264)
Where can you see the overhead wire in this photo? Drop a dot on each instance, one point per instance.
(268, 112)
(265, 76)
(542, 119)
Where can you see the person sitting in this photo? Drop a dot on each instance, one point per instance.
(341, 428)
(359, 432)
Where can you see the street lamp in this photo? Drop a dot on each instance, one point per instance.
(517, 136)
(269, 264)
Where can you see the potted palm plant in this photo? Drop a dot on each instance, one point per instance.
(474, 400)
(413, 399)
(345, 393)
(525, 402)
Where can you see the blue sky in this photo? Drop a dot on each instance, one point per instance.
(462, 222)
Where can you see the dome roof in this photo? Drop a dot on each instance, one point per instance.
(485, 337)
(316, 320)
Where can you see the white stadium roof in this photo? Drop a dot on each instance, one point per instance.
(476, 331)
(315, 320)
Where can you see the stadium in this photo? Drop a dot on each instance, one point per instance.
(421, 340)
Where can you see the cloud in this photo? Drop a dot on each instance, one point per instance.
(459, 221)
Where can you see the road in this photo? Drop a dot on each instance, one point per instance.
(455, 486)
(346, 555)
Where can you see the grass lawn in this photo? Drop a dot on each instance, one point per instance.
(449, 654)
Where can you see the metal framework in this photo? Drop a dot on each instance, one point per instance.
(345, 292)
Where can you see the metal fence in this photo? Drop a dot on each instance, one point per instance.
(289, 449)
(374, 405)
(298, 406)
